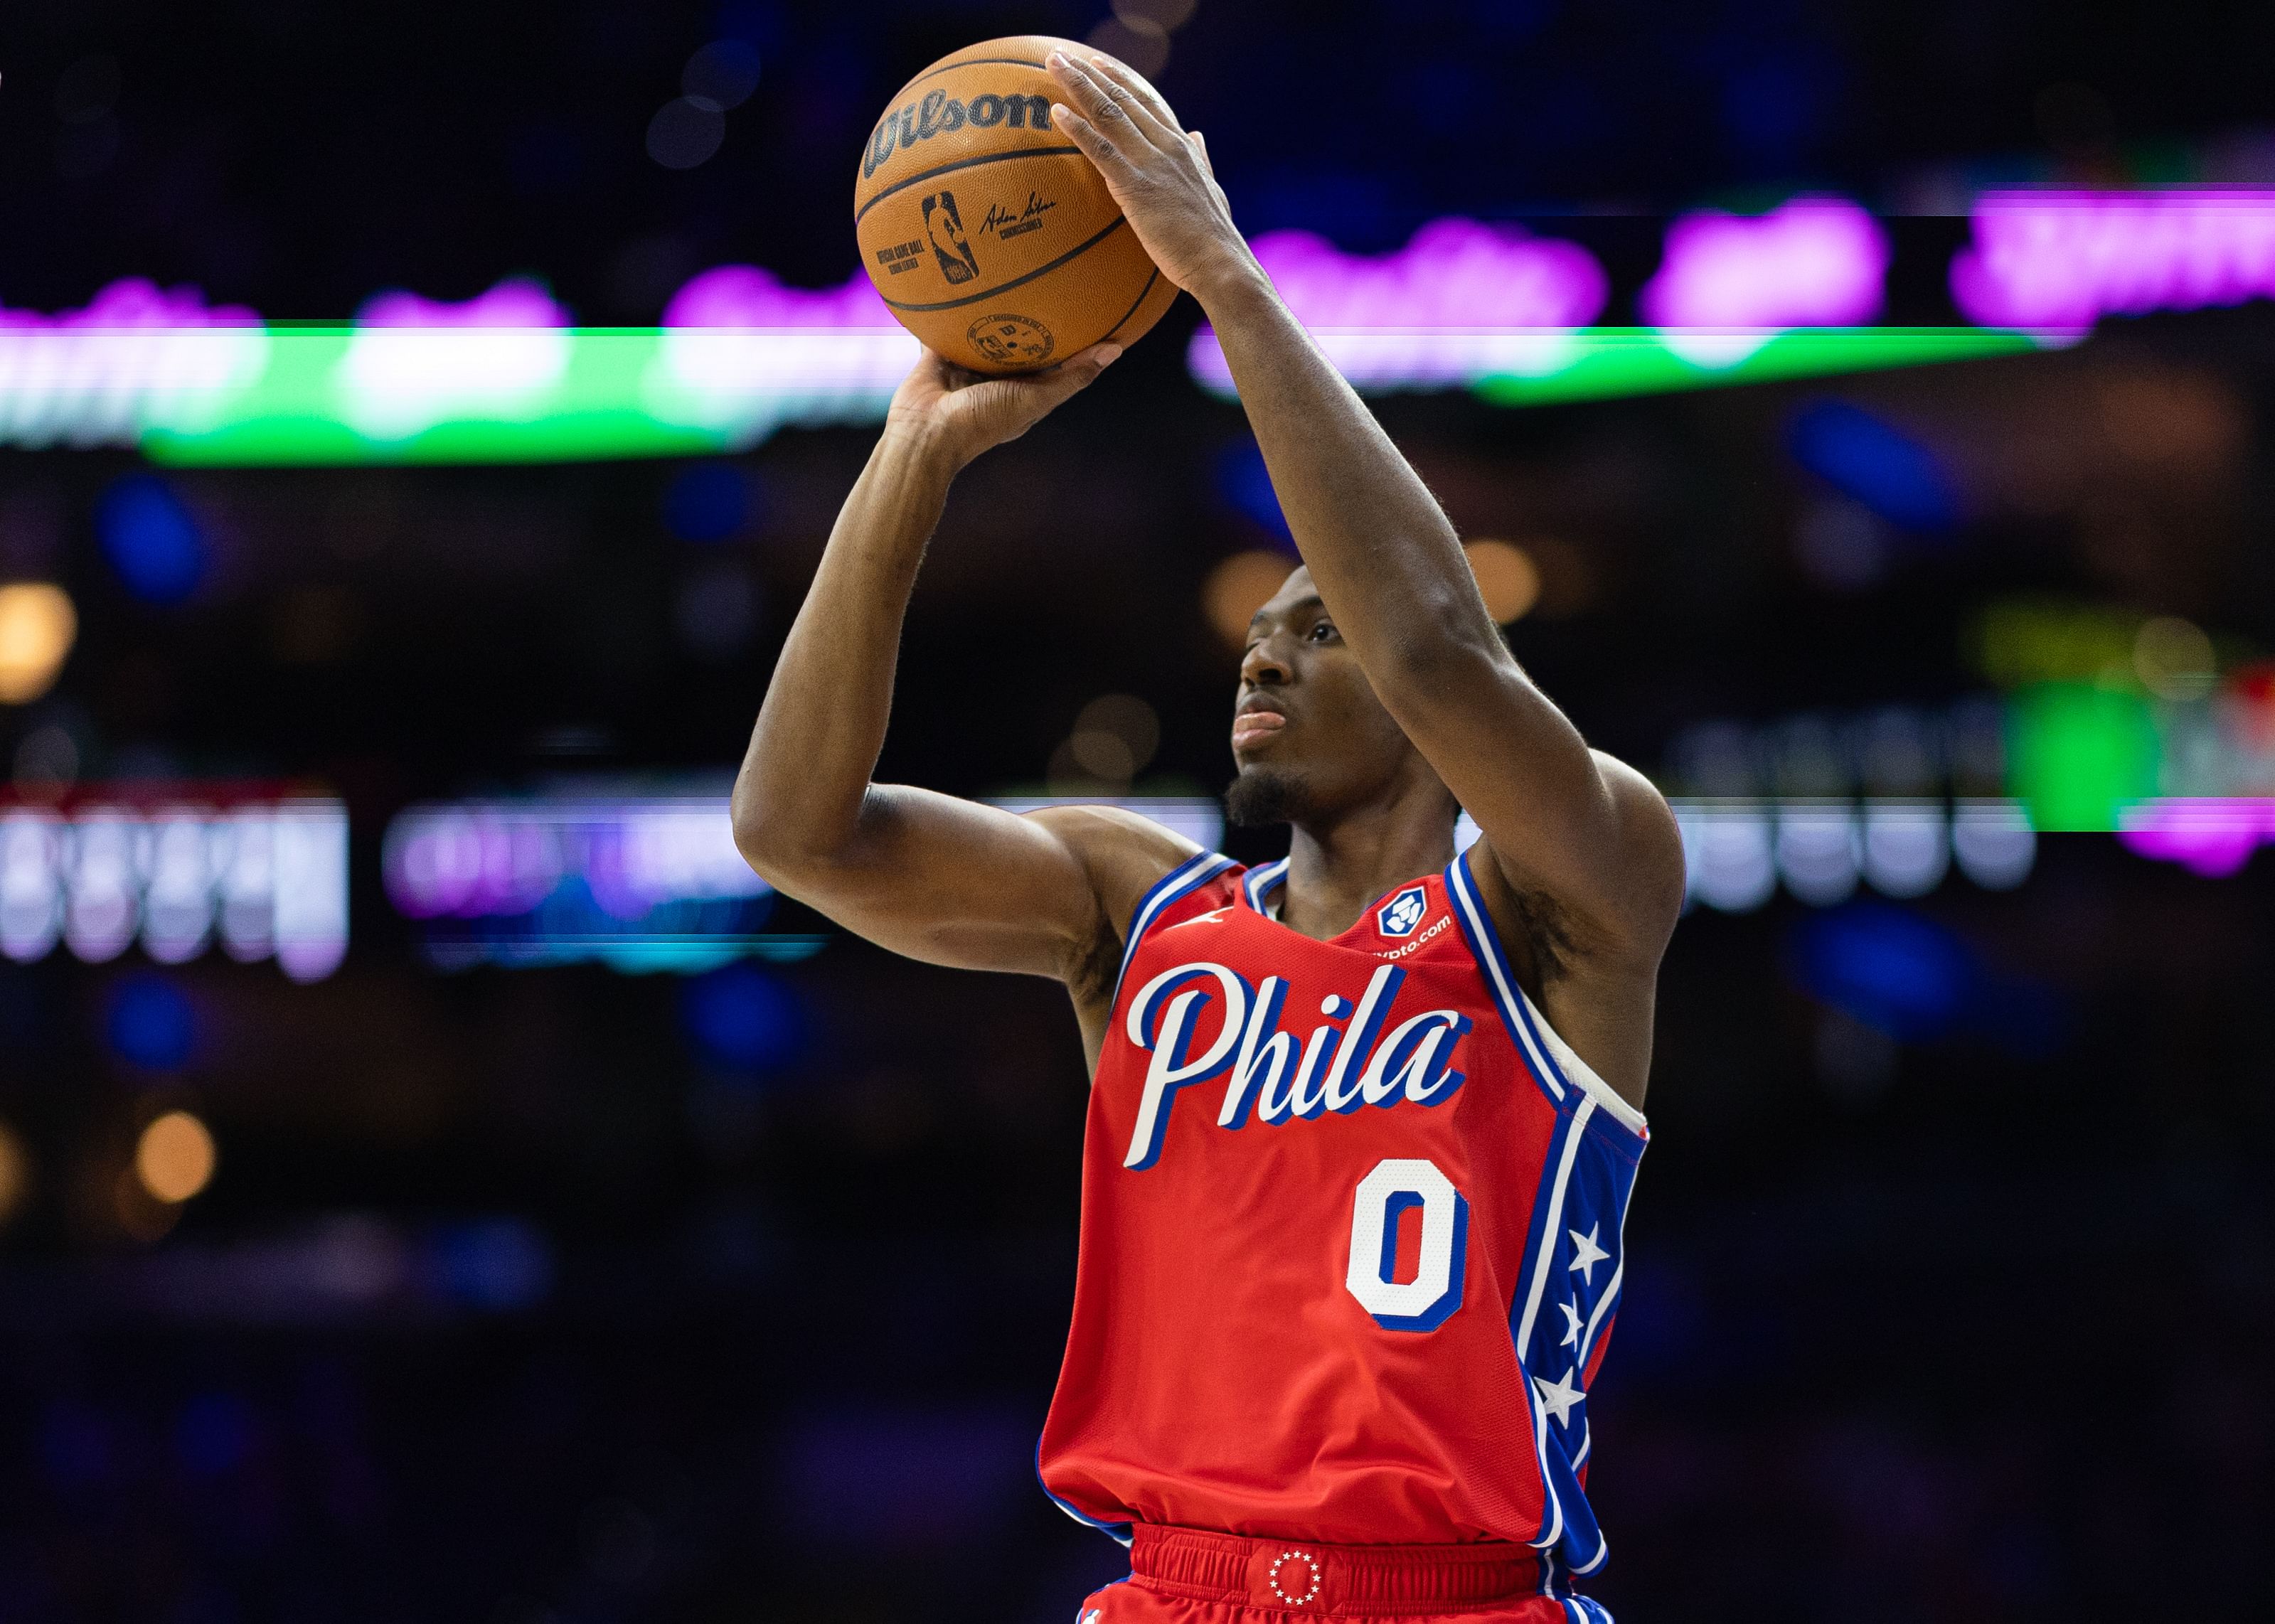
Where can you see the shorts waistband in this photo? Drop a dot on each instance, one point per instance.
(1298, 1575)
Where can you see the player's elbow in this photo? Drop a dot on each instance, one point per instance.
(778, 838)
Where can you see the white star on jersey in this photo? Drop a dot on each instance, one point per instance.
(1558, 1397)
(1571, 1325)
(1586, 1254)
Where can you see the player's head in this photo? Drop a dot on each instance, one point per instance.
(1311, 741)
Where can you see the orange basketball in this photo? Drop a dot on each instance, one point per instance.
(990, 235)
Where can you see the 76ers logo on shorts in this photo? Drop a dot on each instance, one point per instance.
(1402, 913)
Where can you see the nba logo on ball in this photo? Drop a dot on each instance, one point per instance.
(1402, 913)
(945, 227)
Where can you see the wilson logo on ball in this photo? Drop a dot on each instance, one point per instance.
(941, 114)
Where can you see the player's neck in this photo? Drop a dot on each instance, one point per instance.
(1336, 867)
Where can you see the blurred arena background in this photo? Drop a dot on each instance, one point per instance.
(438, 1181)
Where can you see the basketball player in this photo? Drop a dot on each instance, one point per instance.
(1363, 1120)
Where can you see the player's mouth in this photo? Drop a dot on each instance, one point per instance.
(1258, 720)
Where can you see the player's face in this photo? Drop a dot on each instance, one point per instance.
(1308, 734)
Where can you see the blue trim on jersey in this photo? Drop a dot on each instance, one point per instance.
(1542, 1239)
(1505, 981)
(1119, 1532)
(1270, 877)
(1476, 927)
(1187, 877)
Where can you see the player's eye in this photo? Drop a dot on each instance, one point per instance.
(1321, 631)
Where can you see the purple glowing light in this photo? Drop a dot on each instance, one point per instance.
(136, 356)
(131, 305)
(479, 860)
(416, 362)
(1460, 300)
(517, 303)
(744, 296)
(2059, 260)
(743, 354)
(2208, 835)
(1813, 262)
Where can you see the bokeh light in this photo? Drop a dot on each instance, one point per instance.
(721, 74)
(150, 1023)
(1168, 15)
(1239, 587)
(1116, 727)
(708, 502)
(1139, 41)
(2174, 658)
(37, 628)
(1245, 483)
(151, 539)
(742, 1019)
(1875, 464)
(15, 1173)
(174, 1158)
(1506, 577)
(685, 133)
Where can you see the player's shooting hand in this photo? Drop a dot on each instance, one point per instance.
(1158, 173)
(960, 413)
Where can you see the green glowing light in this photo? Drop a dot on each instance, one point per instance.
(2077, 754)
(1614, 361)
(336, 395)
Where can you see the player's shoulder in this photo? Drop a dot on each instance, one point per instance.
(1651, 841)
(1125, 853)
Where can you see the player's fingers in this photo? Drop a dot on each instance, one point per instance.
(1144, 102)
(1095, 146)
(1019, 403)
(1094, 100)
(1200, 146)
(1080, 371)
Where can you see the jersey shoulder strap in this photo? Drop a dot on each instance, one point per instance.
(1174, 897)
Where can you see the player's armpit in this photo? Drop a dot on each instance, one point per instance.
(1580, 830)
(959, 883)
(1599, 879)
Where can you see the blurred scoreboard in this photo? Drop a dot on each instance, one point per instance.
(182, 872)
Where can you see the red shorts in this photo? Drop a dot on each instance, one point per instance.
(1185, 1575)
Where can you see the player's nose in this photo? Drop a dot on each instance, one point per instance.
(1265, 663)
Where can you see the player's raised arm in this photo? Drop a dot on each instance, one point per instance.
(925, 874)
(1581, 833)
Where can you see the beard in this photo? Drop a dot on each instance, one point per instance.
(1263, 795)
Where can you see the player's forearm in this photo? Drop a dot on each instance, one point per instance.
(798, 797)
(1388, 562)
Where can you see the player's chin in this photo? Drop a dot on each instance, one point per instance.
(1265, 793)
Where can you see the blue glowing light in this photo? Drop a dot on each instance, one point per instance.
(1245, 483)
(1905, 975)
(498, 1264)
(150, 1023)
(1875, 464)
(708, 502)
(214, 1434)
(151, 540)
(743, 1018)
(1896, 971)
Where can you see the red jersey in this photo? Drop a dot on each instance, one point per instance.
(1351, 1233)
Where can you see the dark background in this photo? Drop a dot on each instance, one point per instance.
(1973, 1327)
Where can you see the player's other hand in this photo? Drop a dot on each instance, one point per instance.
(959, 413)
(1158, 173)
